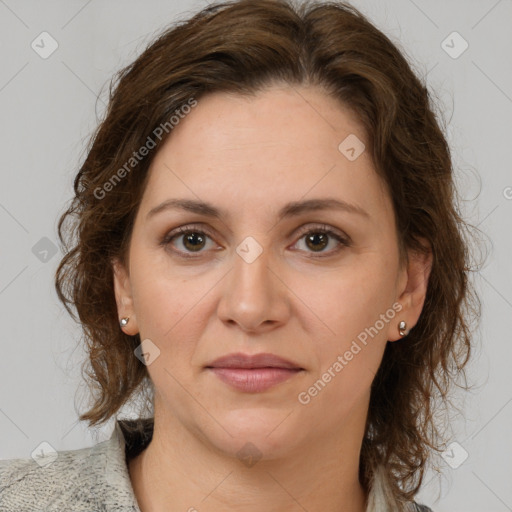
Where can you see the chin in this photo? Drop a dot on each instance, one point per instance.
(260, 432)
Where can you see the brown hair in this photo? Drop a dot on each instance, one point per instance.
(242, 47)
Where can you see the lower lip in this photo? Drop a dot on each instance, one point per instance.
(253, 380)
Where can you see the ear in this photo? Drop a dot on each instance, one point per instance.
(413, 283)
(124, 299)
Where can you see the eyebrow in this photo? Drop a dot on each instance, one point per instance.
(291, 209)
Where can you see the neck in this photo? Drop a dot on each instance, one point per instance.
(179, 470)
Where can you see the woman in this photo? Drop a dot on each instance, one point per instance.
(269, 255)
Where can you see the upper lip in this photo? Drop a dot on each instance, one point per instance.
(240, 360)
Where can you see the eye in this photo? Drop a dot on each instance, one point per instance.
(192, 239)
(317, 238)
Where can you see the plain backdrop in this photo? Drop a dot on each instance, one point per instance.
(48, 109)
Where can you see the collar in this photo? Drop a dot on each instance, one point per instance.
(127, 440)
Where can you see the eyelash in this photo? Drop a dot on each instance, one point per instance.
(183, 230)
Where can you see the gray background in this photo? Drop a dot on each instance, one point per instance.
(49, 108)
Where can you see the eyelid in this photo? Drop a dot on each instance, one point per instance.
(340, 236)
(187, 228)
(322, 227)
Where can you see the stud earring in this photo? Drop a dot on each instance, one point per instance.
(124, 321)
(402, 328)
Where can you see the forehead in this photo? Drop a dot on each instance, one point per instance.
(278, 146)
(279, 116)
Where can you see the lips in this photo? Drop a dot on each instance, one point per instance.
(253, 373)
(240, 360)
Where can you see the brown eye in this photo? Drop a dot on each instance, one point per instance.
(193, 241)
(318, 238)
(187, 240)
(317, 241)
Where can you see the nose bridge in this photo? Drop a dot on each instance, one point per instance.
(252, 295)
(252, 263)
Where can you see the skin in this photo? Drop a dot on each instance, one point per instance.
(250, 156)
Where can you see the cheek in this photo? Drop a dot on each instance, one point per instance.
(351, 298)
(162, 298)
(173, 312)
(350, 355)
(356, 305)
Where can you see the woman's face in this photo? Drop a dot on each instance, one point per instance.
(259, 276)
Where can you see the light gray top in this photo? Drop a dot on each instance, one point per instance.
(96, 479)
(88, 479)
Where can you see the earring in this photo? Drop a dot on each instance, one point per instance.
(402, 328)
(124, 321)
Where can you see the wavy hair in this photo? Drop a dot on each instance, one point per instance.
(242, 47)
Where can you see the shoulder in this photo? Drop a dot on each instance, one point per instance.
(420, 508)
(25, 483)
(94, 478)
(380, 496)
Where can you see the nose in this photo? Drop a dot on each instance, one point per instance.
(254, 296)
